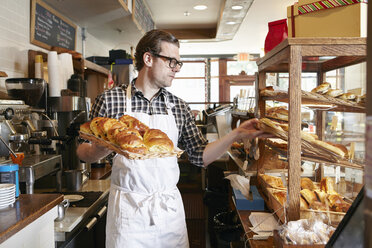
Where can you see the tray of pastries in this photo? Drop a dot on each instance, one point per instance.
(129, 137)
(314, 199)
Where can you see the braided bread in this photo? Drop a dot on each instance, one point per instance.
(134, 123)
(157, 141)
(129, 134)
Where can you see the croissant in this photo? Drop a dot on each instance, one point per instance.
(132, 122)
(157, 141)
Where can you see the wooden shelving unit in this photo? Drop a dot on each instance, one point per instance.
(297, 55)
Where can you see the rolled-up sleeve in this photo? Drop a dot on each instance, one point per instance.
(192, 140)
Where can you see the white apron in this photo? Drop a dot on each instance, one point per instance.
(145, 208)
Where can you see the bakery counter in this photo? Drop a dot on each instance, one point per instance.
(26, 212)
(80, 212)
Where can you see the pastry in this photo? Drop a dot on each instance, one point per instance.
(280, 113)
(130, 139)
(321, 89)
(281, 196)
(347, 96)
(85, 128)
(306, 183)
(104, 125)
(321, 195)
(334, 92)
(303, 204)
(327, 185)
(157, 141)
(309, 196)
(94, 126)
(275, 182)
(132, 122)
(114, 130)
(316, 205)
(361, 99)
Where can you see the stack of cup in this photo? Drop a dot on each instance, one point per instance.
(54, 74)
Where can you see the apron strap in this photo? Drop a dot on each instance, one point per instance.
(129, 99)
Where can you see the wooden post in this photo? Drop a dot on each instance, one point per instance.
(294, 135)
(261, 113)
(320, 127)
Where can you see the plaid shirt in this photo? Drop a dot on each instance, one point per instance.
(112, 104)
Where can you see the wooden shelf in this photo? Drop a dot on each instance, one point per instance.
(317, 99)
(297, 55)
(343, 163)
(92, 67)
(318, 54)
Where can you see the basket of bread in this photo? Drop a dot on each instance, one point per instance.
(129, 137)
(311, 146)
(315, 199)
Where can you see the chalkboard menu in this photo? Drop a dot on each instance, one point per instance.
(51, 29)
(142, 16)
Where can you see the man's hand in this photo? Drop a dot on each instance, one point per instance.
(249, 130)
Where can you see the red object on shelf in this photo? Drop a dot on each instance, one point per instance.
(278, 31)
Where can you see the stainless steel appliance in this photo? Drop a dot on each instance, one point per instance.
(18, 131)
(69, 112)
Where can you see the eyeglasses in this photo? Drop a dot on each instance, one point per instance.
(172, 61)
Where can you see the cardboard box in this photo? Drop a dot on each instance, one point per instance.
(242, 203)
(344, 21)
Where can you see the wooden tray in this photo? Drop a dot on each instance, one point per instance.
(177, 152)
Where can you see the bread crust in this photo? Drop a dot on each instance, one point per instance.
(334, 92)
(348, 96)
(321, 89)
(327, 185)
(309, 196)
(306, 183)
(157, 141)
(132, 122)
(85, 128)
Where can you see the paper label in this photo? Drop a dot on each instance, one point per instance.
(338, 174)
(334, 123)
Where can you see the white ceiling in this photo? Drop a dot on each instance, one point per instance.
(109, 22)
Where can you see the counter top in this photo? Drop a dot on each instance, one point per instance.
(26, 209)
(74, 215)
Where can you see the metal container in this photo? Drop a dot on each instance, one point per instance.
(74, 179)
(62, 207)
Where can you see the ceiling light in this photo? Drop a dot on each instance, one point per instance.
(230, 23)
(236, 7)
(200, 7)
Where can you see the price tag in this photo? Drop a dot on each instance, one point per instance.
(245, 165)
(338, 174)
(352, 150)
(334, 123)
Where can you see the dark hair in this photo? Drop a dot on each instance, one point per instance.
(151, 42)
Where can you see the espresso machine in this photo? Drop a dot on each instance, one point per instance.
(70, 112)
(18, 129)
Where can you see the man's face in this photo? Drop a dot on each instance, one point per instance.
(162, 72)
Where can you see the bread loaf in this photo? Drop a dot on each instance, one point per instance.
(105, 125)
(322, 196)
(334, 92)
(281, 196)
(309, 196)
(275, 182)
(327, 185)
(94, 126)
(321, 89)
(111, 133)
(157, 141)
(341, 147)
(347, 96)
(306, 183)
(303, 204)
(134, 123)
(131, 140)
(85, 128)
(329, 147)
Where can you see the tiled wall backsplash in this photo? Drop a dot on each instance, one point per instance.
(15, 40)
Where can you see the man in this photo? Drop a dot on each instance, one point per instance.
(145, 208)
